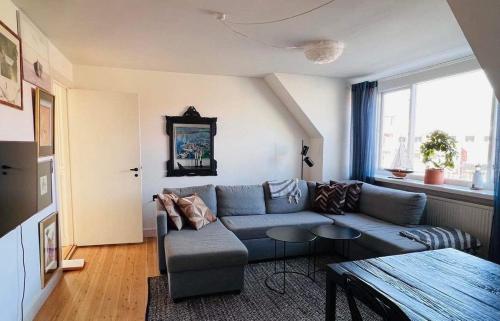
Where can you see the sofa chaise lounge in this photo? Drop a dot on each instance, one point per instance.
(212, 260)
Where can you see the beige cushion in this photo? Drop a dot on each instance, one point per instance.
(169, 201)
(195, 211)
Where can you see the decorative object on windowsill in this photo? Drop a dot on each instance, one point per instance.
(401, 165)
(319, 52)
(305, 159)
(477, 179)
(191, 144)
(438, 153)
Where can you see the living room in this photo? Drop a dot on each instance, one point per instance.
(249, 160)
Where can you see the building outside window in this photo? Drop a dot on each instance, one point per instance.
(462, 105)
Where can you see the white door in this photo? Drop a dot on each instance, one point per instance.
(105, 167)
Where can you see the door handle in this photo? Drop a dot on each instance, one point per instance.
(135, 169)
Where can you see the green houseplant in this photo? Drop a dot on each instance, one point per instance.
(438, 152)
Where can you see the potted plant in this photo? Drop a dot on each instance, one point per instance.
(438, 152)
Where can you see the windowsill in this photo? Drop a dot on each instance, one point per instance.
(452, 189)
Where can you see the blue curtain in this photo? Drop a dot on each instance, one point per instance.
(363, 133)
(494, 253)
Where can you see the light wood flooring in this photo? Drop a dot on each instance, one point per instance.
(112, 286)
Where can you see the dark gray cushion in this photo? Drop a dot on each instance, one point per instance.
(378, 236)
(391, 205)
(282, 206)
(240, 200)
(214, 246)
(255, 226)
(205, 192)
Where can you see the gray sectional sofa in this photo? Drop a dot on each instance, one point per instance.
(212, 260)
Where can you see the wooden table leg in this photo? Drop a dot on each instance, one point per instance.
(331, 300)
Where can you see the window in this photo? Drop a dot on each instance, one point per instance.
(461, 105)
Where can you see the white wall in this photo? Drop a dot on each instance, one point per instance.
(322, 105)
(16, 125)
(257, 138)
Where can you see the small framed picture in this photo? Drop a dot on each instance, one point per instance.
(49, 247)
(44, 122)
(44, 184)
(11, 81)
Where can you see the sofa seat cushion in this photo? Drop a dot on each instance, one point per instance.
(205, 192)
(282, 206)
(255, 226)
(212, 247)
(240, 200)
(392, 205)
(379, 236)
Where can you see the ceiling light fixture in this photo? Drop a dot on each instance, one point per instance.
(319, 52)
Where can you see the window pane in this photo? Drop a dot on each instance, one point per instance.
(395, 124)
(460, 105)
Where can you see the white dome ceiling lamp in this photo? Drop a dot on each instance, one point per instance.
(319, 51)
(323, 51)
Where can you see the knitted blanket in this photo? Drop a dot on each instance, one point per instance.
(288, 188)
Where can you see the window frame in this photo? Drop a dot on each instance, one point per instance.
(411, 131)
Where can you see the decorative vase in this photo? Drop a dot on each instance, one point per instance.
(434, 176)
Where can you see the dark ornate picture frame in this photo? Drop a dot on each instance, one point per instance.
(192, 165)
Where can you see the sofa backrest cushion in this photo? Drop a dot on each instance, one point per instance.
(282, 206)
(240, 200)
(205, 192)
(392, 205)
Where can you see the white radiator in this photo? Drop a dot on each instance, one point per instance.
(472, 218)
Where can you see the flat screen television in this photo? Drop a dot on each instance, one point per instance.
(18, 184)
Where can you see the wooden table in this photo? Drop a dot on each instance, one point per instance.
(433, 285)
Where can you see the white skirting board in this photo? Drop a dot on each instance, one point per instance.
(149, 232)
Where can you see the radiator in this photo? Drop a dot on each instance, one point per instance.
(472, 218)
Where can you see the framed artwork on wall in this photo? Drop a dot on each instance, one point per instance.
(35, 54)
(11, 79)
(49, 247)
(44, 186)
(44, 122)
(191, 144)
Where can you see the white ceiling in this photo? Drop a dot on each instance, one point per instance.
(181, 36)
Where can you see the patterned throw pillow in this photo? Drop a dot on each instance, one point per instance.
(175, 217)
(330, 198)
(195, 211)
(352, 196)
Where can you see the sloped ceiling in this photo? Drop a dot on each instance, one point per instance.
(480, 22)
(181, 36)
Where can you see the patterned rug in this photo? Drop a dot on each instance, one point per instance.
(304, 299)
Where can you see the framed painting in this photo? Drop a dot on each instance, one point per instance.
(44, 187)
(191, 144)
(11, 82)
(49, 247)
(44, 122)
(35, 54)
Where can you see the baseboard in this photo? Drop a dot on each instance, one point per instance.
(149, 232)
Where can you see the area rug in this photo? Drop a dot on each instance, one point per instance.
(304, 299)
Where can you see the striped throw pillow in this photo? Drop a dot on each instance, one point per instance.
(330, 198)
(352, 196)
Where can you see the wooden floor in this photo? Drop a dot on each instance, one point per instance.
(112, 286)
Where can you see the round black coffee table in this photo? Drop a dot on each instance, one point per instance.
(289, 234)
(335, 232)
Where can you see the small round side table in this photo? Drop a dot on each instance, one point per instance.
(334, 232)
(289, 234)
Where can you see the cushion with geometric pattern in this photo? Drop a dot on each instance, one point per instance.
(330, 198)
(352, 196)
